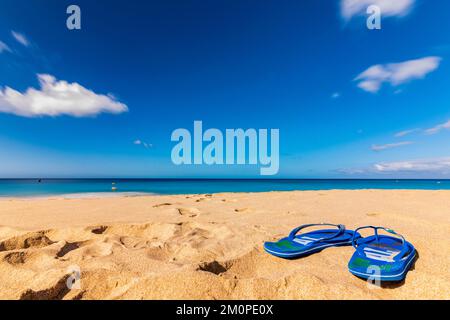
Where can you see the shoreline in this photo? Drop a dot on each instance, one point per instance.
(209, 246)
(133, 194)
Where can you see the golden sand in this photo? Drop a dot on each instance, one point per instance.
(210, 246)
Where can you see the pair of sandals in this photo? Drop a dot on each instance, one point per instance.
(378, 257)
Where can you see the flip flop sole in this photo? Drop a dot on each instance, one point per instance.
(292, 255)
(399, 276)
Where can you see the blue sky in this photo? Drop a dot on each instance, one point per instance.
(349, 102)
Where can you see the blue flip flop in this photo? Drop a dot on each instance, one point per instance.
(381, 257)
(298, 245)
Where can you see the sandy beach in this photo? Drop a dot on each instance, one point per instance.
(210, 246)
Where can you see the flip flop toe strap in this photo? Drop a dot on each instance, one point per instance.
(358, 241)
(339, 231)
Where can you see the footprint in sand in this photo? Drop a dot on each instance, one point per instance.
(96, 249)
(68, 247)
(214, 267)
(372, 214)
(55, 291)
(203, 199)
(161, 253)
(15, 258)
(28, 240)
(166, 204)
(99, 229)
(189, 212)
(296, 213)
(244, 267)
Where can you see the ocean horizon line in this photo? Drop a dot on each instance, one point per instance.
(227, 179)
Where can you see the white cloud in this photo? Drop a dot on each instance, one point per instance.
(405, 133)
(430, 131)
(389, 8)
(4, 47)
(390, 145)
(142, 143)
(335, 95)
(428, 165)
(20, 38)
(396, 74)
(56, 98)
(351, 171)
(439, 127)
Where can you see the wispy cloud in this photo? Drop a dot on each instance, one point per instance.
(4, 47)
(396, 74)
(55, 98)
(389, 8)
(351, 171)
(430, 131)
(142, 143)
(438, 128)
(20, 38)
(406, 132)
(441, 165)
(382, 147)
(336, 95)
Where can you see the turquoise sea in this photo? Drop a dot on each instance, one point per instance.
(86, 187)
